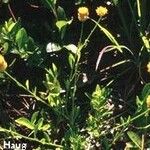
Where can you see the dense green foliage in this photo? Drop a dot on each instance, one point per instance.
(76, 79)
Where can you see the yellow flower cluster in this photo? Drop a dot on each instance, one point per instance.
(148, 101)
(83, 12)
(148, 67)
(101, 11)
(3, 63)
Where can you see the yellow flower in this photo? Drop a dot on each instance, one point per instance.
(83, 14)
(101, 11)
(3, 63)
(148, 101)
(148, 67)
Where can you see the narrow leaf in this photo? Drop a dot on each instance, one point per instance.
(135, 138)
(34, 117)
(27, 84)
(25, 122)
(71, 47)
(45, 127)
(146, 90)
(46, 136)
(40, 123)
(109, 35)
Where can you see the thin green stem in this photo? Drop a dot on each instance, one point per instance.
(23, 87)
(53, 8)
(74, 73)
(17, 135)
(87, 39)
(133, 119)
(31, 93)
(73, 94)
(81, 34)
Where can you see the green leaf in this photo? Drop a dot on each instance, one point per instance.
(40, 123)
(45, 127)
(61, 13)
(46, 136)
(11, 26)
(21, 37)
(60, 24)
(130, 146)
(115, 2)
(122, 121)
(27, 84)
(25, 122)
(54, 69)
(34, 117)
(139, 102)
(5, 47)
(14, 28)
(97, 93)
(72, 48)
(135, 138)
(146, 42)
(50, 4)
(71, 59)
(146, 90)
(109, 35)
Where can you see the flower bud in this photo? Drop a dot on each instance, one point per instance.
(148, 101)
(101, 11)
(3, 63)
(83, 14)
(148, 67)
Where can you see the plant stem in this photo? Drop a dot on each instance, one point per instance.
(15, 134)
(23, 87)
(87, 39)
(11, 12)
(81, 34)
(136, 117)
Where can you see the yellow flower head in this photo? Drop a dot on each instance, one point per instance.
(3, 63)
(83, 14)
(101, 11)
(148, 67)
(148, 101)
